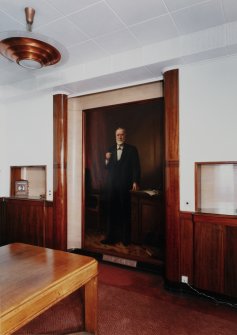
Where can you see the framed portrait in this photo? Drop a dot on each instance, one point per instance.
(21, 188)
(143, 122)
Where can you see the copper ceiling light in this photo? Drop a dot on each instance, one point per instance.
(29, 52)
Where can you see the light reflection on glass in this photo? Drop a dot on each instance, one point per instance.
(219, 188)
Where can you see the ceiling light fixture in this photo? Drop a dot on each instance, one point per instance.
(29, 52)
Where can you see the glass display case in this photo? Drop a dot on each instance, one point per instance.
(216, 187)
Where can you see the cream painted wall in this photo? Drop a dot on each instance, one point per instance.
(3, 150)
(208, 119)
(75, 107)
(28, 138)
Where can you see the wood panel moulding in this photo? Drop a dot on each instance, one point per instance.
(48, 227)
(60, 171)
(209, 261)
(186, 245)
(3, 226)
(171, 92)
(15, 175)
(221, 219)
(230, 252)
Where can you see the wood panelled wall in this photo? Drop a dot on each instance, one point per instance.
(26, 221)
(209, 252)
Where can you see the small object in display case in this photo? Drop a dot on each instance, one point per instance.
(21, 188)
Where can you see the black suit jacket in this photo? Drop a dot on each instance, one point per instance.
(126, 171)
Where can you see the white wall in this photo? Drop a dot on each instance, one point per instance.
(28, 126)
(208, 119)
(74, 175)
(3, 150)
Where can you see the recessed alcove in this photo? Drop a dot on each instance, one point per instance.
(216, 187)
(35, 175)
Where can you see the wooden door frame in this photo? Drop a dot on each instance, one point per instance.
(171, 98)
(172, 187)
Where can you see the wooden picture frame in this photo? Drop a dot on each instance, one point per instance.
(21, 188)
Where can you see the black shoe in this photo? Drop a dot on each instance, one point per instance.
(107, 241)
(126, 243)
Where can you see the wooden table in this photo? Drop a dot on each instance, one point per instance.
(32, 279)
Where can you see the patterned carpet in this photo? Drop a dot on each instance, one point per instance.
(133, 302)
(130, 313)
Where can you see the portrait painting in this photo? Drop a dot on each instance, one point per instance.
(143, 123)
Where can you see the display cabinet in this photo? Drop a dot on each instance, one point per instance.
(216, 187)
(28, 182)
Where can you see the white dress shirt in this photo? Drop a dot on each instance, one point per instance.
(119, 151)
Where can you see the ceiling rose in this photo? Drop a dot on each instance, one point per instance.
(29, 52)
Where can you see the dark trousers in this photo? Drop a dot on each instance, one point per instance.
(119, 215)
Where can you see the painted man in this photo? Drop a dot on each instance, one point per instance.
(122, 163)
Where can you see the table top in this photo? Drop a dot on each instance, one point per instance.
(27, 272)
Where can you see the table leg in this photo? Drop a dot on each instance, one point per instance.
(91, 297)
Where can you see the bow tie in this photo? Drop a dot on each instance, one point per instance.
(120, 147)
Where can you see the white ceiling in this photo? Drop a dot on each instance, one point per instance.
(153, 33)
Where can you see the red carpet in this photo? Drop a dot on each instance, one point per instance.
(153, 286)
(63, 318)
(130, 313)
(135, 303)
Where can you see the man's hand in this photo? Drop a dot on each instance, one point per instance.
(135, 187)
(108, 155)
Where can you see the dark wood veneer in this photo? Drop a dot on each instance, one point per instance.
(60, 171)
(27, 221)
(186, 245)
(48, 227)
(171, 91)
(208, 256)
(220, 219)
(83, 204)
(209, 251)
(15, 175)
(230, 260)
(3, 226)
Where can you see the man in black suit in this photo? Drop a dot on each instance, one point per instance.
(122, 163)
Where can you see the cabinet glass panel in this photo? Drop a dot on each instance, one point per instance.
(216, 187)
